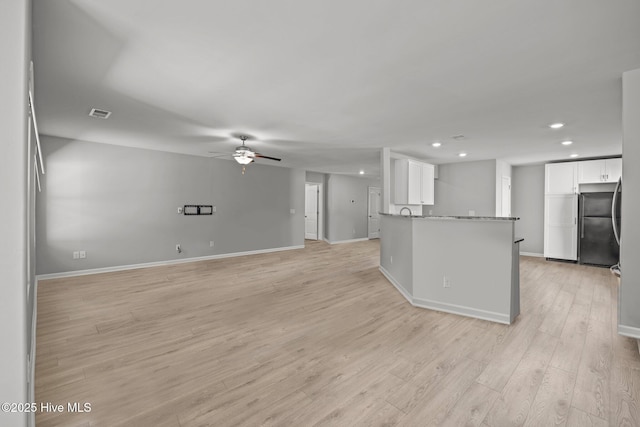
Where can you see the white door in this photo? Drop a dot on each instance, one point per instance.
(374, 212)
(311, 212)
(506, 196)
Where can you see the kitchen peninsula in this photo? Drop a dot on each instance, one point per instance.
(457, 264)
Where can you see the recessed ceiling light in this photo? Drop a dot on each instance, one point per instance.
(361, 172)
(436, 144)
(567, 142)
(462, 155)
(573, 155)
(556, 125)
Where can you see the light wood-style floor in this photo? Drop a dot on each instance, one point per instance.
(318, 337)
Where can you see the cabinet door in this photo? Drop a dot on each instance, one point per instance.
(613, 170)
(591, 171)
(427, 183)
(561, 226)
(561, 178)
(414, 195)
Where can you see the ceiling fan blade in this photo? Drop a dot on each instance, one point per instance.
(267, 157)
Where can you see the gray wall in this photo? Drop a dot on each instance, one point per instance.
(346, 220)
(629, 315)
(527, 203)
(315, 177)
(120, 206)
(15, 30)
(461, 187)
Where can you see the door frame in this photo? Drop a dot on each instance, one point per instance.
(320, 208)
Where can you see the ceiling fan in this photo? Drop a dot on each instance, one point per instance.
(245, 155)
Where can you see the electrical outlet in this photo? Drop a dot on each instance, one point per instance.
(446, 283)
(292, 211)
(178, 248)
(472, 212)
(210, 243)
(213, 209)
(83, 254)
(180, 209)
(76, 255)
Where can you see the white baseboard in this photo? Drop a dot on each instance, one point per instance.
(629, 331)
(397, 285)
(534, 254)
(447, 308)
(462, 310)
(161, 263)
(339, 242)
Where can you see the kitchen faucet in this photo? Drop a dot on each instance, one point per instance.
(410, 213)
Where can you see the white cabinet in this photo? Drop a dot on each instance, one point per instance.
(597, 171)
(561, 178)
(561, 226)
(561, 211)
(413, 182)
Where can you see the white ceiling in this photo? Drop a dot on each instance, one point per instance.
(325, 84)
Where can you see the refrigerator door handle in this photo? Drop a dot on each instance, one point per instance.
(582, 218)
(613, 210)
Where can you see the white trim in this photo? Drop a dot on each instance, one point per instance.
(629, 331)
(339, 242)
(534, 254)
(397, 285)
(161, 263)
(32, 361)
(462, 310)
(447, 308)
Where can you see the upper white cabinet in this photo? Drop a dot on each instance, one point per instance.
(413, 182)
(561, 178)
(597, 171)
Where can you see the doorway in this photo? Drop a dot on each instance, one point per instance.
(373, 213)
(313, 211)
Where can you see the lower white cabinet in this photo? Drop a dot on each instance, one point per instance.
(561, 226)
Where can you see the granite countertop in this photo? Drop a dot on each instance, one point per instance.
(454, 217)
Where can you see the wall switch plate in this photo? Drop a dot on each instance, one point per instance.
(292, 211)
(213, 209)
(83, 254)
(76, 255)
(446, 283)
(210, 243)
(391, 259)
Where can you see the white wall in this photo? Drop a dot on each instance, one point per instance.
(629, 315)
(466, 186)
(527, 202)
(346, 207)
(15, 30)
(120, 205)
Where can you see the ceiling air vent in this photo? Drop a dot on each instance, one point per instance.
(99, 114)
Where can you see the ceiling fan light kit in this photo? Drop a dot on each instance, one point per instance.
(245, 155)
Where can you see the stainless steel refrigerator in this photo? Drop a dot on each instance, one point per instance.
(597, 243)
